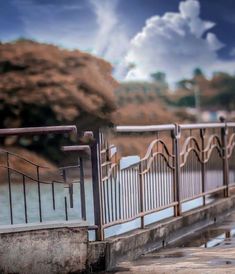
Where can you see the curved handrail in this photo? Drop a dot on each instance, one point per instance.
(27, 176)
(22, 158)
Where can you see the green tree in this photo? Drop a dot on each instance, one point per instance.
(160, 79)
(197, 72)
(225, 84)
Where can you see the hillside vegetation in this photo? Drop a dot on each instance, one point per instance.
(44, 85)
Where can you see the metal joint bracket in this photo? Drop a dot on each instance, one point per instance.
(176, 133)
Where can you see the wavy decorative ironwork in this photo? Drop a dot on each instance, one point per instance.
(139, 188)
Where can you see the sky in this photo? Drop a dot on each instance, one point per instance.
(138, 37)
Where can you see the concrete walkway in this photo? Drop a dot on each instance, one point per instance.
(210, 251)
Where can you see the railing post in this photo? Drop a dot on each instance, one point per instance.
(82, 189)
(96, 183)
(202, 135)
(176, 148)
(224, 134)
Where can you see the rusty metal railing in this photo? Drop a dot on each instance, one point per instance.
(197, 161)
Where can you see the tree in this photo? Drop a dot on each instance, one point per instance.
(225, 84)
(42, 85)
(159, 78)
(197, 72)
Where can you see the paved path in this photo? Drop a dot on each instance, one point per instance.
(211, 251)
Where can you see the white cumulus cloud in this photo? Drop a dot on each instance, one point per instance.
(176, 43)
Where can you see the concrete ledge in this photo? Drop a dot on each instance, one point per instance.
(39, 226)
(133, 244)
(48, 248)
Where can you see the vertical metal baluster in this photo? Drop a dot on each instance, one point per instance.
(108, 200)
(39, 195)
(159, 182)
(150, 188)
(196, 178)
(192, 173)
(176, 136)
(133, 191)
(123, 195)
(224, 134)
(104, 202)
(141, 191)
(137, 191)
(162, 182)
(126, 194)
(165, 182)
(168, 185)
(53, 194)
(119, 193)
(130, 192)
(9, 187)
(125, 191)
(115, 192)
(187, 181)
(152, 182)
(146, 191)
(111, 197)
(66, 208)
(25, 201)
(135, 196)
(155, 183)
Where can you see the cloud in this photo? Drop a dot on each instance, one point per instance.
(55, 23)
(232, 52)
(101, 32)
(111, 41)
(176, 43)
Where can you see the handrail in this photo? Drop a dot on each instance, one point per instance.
(151, 128)
(22, 158)
(166, 127)
(38, 130)
(29, 177)
(202, 126)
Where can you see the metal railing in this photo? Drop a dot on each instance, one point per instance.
(25, 180)
(185, 163)
(182, 163)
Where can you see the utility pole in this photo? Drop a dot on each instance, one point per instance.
(197, 102)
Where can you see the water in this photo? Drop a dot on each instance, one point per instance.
(48, 212)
